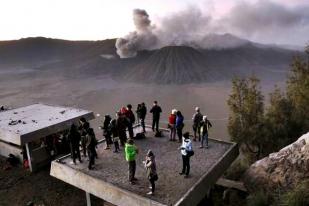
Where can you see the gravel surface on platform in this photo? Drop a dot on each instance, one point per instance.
(171, 186)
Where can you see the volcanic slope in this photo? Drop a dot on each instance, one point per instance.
(172, 65)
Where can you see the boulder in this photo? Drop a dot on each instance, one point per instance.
(281, 170)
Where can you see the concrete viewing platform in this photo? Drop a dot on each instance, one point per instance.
(109, 180)
(27, 125)
(22, 125)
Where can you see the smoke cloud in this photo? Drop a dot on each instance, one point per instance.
(267, 21)
(142, 38)
(263, 21)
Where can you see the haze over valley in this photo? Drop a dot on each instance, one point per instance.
(90, 75)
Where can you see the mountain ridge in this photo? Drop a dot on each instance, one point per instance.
(167, 65)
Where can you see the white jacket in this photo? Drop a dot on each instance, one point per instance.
(186, 146)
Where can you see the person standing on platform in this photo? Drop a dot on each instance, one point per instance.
(197, 119)
(205, 125)
(115, 134)
(130, 152)
(91, 147)
(151, 168)
(138, 113)
(143, 112)
(156, 111)
(107, 131)
(74, 139)
(83, 127)
(172, 124)
(122, 123)
(179, 125)
(131, 117)
(186, 152)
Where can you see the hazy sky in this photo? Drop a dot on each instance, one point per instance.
(275, 21)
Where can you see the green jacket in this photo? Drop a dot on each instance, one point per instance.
(131, 151)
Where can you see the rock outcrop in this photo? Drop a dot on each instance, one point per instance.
(283, 169)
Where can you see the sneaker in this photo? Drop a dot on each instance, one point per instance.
(115, 151)
(181, 173)
(72, 163)
(201, 147)
(207, 147)
(186, 176)
(134, 179)
(150, 193)
(150, 187)
(132, 183)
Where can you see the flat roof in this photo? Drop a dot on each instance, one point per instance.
(25, 124)
(109, 181)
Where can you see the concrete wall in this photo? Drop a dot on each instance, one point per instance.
(6, 149)
(9, 136)
(98, 187)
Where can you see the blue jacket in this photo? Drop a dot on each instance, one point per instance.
(179, 121)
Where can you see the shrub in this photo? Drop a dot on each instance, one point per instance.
(298, 197)
(258, 199)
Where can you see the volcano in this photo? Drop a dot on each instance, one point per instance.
(172, 64)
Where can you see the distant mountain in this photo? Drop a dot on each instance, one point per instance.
(172, 64)
(225, 57)
(40, 49)
(182, 64)
(224, 41)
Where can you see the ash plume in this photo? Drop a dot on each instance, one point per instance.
(268, 21)
(263, 21)
(142, 38)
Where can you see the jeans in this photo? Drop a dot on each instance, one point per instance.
(204, 138)
(75, 152)
(91, 155)
(179, 133)
(143, 124)
(185, 164)
(132, 169)
(172, 132)
(130, 129)
(122, 137)
(196, 129)
(153, 186)
(155, 124)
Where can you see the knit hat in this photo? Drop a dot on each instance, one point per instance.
(149, 153)
(186, 135)
(174, 111)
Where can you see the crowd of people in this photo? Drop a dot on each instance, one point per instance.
(83, 136)
(115, 133)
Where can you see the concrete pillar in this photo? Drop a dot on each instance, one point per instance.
(88, 199)
(29, 157)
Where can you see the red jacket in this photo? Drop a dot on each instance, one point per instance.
(172, 119)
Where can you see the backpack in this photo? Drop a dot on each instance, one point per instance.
(190, 153)
(158, 134)
(140, 136)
